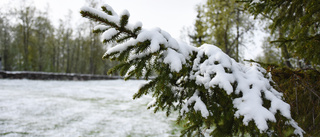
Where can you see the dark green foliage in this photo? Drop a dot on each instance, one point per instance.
(295, 28)
(99, 30)
(296, 23)
(124, 21)
(301, 89)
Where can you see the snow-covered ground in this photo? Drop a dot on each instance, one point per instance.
(79, 108)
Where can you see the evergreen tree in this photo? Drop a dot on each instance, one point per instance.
(296, 23)
(226, 23)
(200, 35)
(207, 87)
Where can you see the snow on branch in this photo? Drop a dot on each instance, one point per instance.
(188, 76)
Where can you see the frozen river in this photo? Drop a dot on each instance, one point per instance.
(79, 108)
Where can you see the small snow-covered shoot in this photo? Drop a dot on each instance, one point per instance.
(207, 87)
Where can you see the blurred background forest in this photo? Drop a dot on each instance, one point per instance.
(30, 42)
(291, 50)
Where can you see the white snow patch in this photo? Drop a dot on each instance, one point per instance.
(101, 14)
(100, 27)
(79, 108)
(109, 33)
(174, 59)
(198, 106)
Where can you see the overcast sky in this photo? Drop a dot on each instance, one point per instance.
(169, 15)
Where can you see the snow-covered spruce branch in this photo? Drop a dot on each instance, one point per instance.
(205, 85)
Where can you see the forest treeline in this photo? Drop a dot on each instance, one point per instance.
(30, 42)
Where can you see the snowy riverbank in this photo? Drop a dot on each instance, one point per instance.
(78, 108)
(36, 75)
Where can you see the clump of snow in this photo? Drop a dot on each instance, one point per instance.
(256, 1)
(109, 8)
(100, 27)
(203, 71)
(109, 33)
(174, 59)
(101, 14)
(154, 36)
(137, 25)
(198, 106)
(125, 12)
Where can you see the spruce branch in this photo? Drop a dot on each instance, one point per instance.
(205, 85)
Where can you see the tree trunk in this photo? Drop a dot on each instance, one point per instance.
(284, 51)
(25, 46)
(238, 35)
(68, 53)
(6, 39)
(226, 40)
